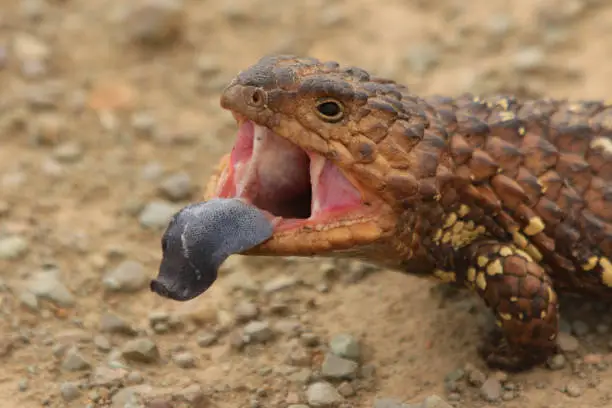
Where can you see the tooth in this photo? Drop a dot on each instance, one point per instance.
(317, 163)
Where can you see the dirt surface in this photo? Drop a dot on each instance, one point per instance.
(110, 121)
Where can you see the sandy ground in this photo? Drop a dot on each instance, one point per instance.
(103, 133)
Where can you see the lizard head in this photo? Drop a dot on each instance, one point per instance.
(312, 152)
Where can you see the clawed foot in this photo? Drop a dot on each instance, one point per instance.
(498, 354)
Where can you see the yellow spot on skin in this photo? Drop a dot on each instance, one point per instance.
(471, 274)
(590, 263)
(446, 237)
(514, 299)
(522, 131)
(506, 251)
(535, 226)
(499, 323)
(445, 276)
(482, 261)
(495, 268)
(480, 230)
(438, 235)
(534, 252)
(450, 220)
(505, 316)
(520, 240)
(524, 255)
(543, 314)
(521, 315)
(606, 273)
(481, 281)
(507, 116)
(458, 227)
(463, 210)
(469, 225)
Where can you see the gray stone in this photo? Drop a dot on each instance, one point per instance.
(69, 391)
(322, 394)
(184, 359)
(345, 345)
(68, 152)
(567, 343)
(491, 390)
(13, 247)
(338, 368)
(102, 343)
(128, 397)
(103, 376)
(157, 214)
(142, 350)
(46, 285)
(111, 323)
(177, 186)
(128, 276)
(74, 360)
(573, 390)
(246, 311)
(258, 331)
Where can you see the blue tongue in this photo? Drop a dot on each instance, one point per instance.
(199, 238)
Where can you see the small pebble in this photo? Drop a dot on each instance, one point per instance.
(346, 389)
(13, 247)
(345, 345)
(46, 285)
(23, 384)
(176, 186)
(476, 378)
(279, 283)
(154, 22)
(157, 214)
(111, 323)
(258, 331)
(129, 276)
(246, 311)
(322, 395)
(491, 390)
(142, 350)
(74, 360)
(184, 359)
(337, 367)
(557, 362)
(573, 390)
(102, 343)
(69, 391)
(68, 152)
(567, 343)
(134, 377)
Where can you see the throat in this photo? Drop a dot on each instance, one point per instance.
(283, 179)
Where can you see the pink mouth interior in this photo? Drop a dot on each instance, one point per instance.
(281, 178)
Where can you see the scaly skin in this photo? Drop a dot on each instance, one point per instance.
(510, 198)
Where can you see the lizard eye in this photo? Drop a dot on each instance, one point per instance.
(330, 110)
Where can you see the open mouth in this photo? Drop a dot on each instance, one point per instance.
(293, 186)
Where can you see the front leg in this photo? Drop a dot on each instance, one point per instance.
(520, 294)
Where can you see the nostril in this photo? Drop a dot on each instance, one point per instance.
(159, 288)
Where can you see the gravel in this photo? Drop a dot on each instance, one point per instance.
(129, 276)
(46, 284)
(345, 345)
(177, 187)
(141, 350)
(322, 394)
(335, 367)
(258, 332)
(69, 391)
(157, 214)
(74, 361)
(13, 247)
